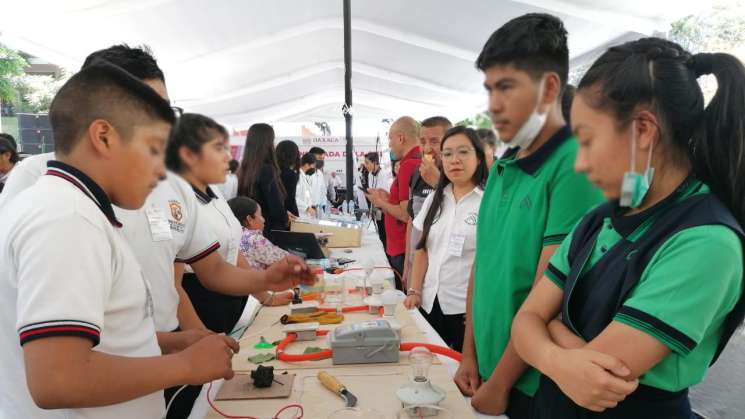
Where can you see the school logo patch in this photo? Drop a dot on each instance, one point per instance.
(176, 210)
(472, 219)
(177, 216)
(526, 203)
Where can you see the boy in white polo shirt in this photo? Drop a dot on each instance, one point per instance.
(70, 287)
(166, 228)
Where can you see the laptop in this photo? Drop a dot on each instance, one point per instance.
(304, 245)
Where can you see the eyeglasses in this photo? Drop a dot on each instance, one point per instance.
(461, 153)
(178, 111)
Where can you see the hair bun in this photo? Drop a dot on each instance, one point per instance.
(702, 64)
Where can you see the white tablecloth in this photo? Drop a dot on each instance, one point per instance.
(371, 249)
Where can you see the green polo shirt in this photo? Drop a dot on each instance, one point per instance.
(528, 204)
(683, 297)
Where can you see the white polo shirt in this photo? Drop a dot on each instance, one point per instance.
(173, 203)
(451, 247)
(66, 270)
(219, 218)
(169, 227)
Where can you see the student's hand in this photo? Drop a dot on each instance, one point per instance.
(290, 216)
(467, 377)
(191, 336)
(311, 211)
(429, 171)
(412, 301)
(210, 359)
(591, 379)
(377, 196)
(279, 299)
(288, 273)
(490, 401)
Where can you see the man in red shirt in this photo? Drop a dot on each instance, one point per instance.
(402, 140)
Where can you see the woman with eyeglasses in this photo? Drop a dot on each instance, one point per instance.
(447, 220)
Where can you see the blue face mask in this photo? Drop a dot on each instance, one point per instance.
(392, 155)
(636, 185)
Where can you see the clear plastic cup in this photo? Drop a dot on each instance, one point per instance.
(334, 291)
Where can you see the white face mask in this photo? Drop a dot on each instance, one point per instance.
(532, 127)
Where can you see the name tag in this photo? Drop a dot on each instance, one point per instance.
(455, 246)
(160, 229)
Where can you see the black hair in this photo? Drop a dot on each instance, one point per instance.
(437, 121)
(10, 139)
(660, 75)
(317, 150)
(288, 155)
(308, 158)
(566, 102)
(243, 207)
(103, 91)
(7, 147)
(373, 157)
(192, 131)
(535, 43)
(257, 154)
(233, 165)
(479, 178)
(138, 61)
(487, 136)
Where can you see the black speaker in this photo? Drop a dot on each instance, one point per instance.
(32, 148)
(33, 121)
(31, 139)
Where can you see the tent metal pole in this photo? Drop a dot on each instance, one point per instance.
(348, 97)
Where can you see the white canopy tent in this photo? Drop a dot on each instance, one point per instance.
(281, 61)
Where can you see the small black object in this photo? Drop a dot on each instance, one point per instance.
(263, 376)
(296, 296)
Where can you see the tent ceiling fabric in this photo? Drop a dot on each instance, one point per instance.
(282, 60)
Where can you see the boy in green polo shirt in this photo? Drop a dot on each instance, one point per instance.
(532, 201)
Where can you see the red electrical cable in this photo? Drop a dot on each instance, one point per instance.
(441, 350)
(275, 416)
(344, 309)
(325, 354)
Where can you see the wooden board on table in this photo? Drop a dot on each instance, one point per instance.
(264, 326)
(241, 387)
(374, 385)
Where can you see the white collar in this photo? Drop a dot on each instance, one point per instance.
(449, 192)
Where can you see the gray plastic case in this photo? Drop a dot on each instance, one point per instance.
(369, 342)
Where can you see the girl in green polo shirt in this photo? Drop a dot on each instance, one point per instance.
(643, 295)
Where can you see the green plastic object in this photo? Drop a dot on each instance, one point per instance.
(261, 358)
(263, 344)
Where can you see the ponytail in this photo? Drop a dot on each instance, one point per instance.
(661, 75)
(718, 146)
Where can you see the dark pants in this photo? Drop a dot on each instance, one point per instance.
(520, 406)
(181, 407)
(450, 327)
(397, 263)
(220, 313)
(645, 402)
(381, 231)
